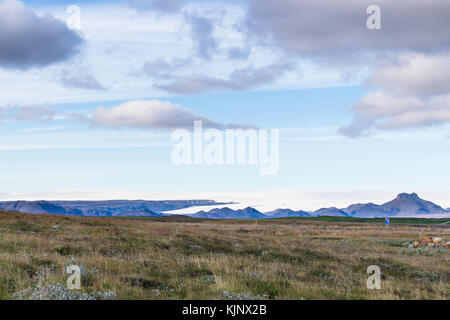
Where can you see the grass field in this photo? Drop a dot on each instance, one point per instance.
(183, 258)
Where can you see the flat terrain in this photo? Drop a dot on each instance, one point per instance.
(183, 258)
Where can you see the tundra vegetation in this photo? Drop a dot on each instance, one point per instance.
(186, 258)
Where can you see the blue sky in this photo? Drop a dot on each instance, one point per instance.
(363, 121)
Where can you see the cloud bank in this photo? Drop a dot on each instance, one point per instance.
(417, 75)
(409, 58)
(412, 93)
(332, 29)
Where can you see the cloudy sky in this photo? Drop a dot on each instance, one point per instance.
(87, 109)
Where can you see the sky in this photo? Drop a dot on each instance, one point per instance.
(91, 92)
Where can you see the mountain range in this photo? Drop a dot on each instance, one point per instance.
(106, 208)
(227, 213)
(404, 205)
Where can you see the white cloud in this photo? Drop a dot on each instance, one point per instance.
(381, 110)
(416, 75)
(414, 91)
(151, 114)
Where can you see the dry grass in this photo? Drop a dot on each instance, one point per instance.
(189, 259)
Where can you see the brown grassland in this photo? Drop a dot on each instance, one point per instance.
(183, 258)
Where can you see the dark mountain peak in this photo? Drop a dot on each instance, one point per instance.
(332, 211)
(329, 208)
(250, 212)
(404, 198)
(302, 213)
(366, 205)
(367, 210)
(408, 196)
(221, 210)
(227, 213)
(138, 213)
(410, 204)
(224, 208)
(281, 213)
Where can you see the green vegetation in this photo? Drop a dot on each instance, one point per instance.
(184, 258)
(423, 221)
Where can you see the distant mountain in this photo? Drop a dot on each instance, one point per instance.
(141, 213)
(282, 213)
(367, 210)
(37, 207)
(404, 205)
(102, 208)
(227, 213)
(251, 213)
(410, 204)
(335, 212)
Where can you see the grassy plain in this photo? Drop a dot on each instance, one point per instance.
(184, 258)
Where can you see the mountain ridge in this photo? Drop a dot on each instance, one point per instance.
(104, 208)
(404, 205)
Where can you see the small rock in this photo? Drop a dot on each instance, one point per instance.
(431, 244)
(427, 240)
(437, 240)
